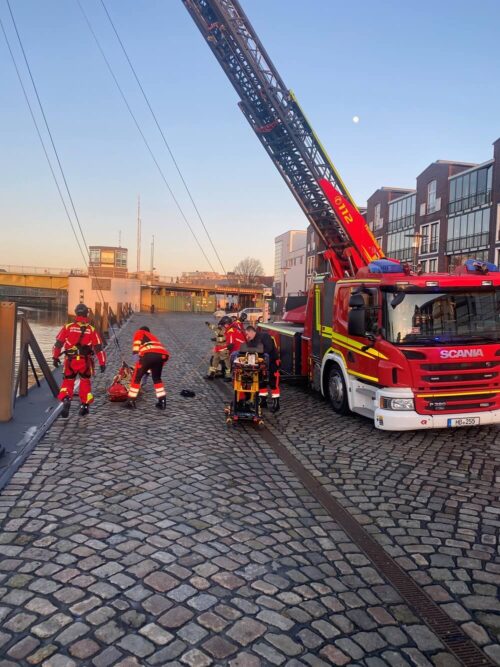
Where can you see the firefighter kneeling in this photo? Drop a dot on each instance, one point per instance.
(255, 339)
(152, 356)
(78, 340)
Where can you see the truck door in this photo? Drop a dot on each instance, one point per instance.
(360, 355)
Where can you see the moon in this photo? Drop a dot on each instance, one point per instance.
(355, 119)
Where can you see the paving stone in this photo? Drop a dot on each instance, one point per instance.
(245, 660)
(19, 622)
(335, 656)
(284, 643)
(219, 647)
(423, 637)
(23, 647)
(107, 657)
(59, 660)
(137, 645)
(85, 648)
(167, 655)
(41, 654)
(161, 581)
(156, 634)
(51, 625)
(196, 658)
(175, 617)
(246, 631)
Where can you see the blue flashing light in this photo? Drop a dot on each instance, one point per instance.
(479, 266)
(385, 266)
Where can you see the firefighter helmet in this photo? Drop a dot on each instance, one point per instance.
(243, 317)
(224, 321)
(81, 310)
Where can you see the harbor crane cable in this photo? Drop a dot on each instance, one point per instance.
(32, 113)
(89, 264)
(160, 130)
(139, 129)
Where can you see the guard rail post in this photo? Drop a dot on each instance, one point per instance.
(8, 320)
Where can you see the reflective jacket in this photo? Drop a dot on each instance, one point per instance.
(234, 337)
(79, 339)
(144, 342)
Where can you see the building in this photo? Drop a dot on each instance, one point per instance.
(453, 214)
(108, 260)
(289, 264)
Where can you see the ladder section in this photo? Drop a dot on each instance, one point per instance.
(281, 126)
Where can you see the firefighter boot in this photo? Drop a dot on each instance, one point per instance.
(276, 405)
(161, 404)
(130, 404)
(263, 401)
(84, 410)
(210, 376)
(66, 406)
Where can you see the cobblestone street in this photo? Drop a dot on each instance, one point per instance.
(166, 538)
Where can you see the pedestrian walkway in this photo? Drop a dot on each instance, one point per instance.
(165, 538)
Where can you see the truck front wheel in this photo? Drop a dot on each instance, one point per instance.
(337, 391)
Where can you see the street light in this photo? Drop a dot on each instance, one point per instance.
(417, 238)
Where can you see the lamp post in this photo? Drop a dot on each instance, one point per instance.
(417, 238)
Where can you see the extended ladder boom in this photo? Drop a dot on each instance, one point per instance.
(276, 117)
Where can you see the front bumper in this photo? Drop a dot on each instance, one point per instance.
(409, 420)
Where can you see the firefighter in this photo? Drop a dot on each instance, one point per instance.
(255, 339)
(152, 357)
(220, 352)
(78, 341)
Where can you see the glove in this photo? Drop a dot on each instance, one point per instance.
(56, 362)
(103, 368)
(230, 346)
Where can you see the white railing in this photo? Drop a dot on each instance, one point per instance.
(41, 270)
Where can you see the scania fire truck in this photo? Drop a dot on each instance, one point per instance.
(409, 351)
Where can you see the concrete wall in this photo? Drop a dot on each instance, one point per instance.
(113, 291)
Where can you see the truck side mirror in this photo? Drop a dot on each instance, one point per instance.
(356, 322)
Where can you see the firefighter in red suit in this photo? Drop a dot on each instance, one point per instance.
(78, 341)
(235, 338)
(152, 356)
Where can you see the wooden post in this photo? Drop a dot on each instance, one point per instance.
(105, 319)
(119, 313)
(8, 318)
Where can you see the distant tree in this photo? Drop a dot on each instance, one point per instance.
(249, 270)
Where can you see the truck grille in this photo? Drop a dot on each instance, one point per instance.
(456, 387)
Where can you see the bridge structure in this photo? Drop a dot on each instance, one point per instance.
(49, 287)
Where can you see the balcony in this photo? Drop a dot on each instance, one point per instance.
(471, 201)
(468, 242)
(401, 223)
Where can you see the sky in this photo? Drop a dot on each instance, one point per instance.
(422, 77)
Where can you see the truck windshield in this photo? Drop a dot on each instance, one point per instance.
(442, 318)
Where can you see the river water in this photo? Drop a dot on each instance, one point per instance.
(45, 325)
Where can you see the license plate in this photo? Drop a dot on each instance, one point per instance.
(463, 421)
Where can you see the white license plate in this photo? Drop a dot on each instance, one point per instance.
(463, 421)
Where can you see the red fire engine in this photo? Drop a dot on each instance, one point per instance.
(409, 351)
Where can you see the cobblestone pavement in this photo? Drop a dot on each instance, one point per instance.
(164, 538)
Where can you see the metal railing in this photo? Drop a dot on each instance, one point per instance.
(41, 270)
(472, 200)
(468, 242)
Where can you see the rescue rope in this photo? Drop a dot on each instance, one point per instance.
(139, 129)
(87, 261)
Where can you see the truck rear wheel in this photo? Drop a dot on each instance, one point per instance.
(337, 391)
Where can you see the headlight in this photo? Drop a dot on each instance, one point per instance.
(397, 403)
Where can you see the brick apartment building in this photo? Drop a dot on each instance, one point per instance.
(452, 214)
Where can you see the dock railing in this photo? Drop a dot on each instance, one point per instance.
(17, 384)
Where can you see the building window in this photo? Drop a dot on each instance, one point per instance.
(400, 245)
(458, 260)
(428, 265)
(377, 220)
(431, 196)
(468, 231)
(402, 213)
(429, 240)
(95, 255)
(470, 190)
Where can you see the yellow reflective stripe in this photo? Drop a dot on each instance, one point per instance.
(346, 281)
(317, 296)
(350, 372)
(365, 377)
(459, 393)
(327, 331)
(357, 345)
(353, 349)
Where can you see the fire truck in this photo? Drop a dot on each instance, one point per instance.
(409, 351)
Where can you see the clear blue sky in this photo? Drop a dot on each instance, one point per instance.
(422, 76)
